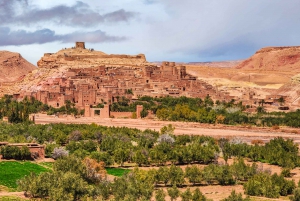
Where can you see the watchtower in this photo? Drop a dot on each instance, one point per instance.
(80, 45)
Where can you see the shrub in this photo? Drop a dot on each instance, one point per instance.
(236, 197)
(59, 152)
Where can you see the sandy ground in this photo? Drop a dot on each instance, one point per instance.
(245, 132)
(244, 77)
(12, 194)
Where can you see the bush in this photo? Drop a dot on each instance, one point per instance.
(59, 152)
(263, 184)
(14, 152)
(296, 195)
(236, 197)
(286, 172)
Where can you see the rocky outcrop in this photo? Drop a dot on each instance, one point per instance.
(13, 66)
(273, 59)
(70, 57)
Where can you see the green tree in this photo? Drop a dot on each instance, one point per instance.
(102, 156)
(260, 109)
(198, 196)
(169, 129)
(173, 192)
(163, 174)
(186, 195)
(121, 155)
(160, 195)
(144, 113)
(194, 174)
(236, 197)
(261, 185)
(163, 114)
(176, 175)
(296, 195)
(141, 157)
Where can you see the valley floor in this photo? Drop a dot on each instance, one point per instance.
(247, 133)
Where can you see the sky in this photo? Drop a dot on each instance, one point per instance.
(163, 30)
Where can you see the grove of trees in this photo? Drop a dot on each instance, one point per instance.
(71, 144)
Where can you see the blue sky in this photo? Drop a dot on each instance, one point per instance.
(172, 30)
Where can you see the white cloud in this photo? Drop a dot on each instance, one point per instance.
(191, 30)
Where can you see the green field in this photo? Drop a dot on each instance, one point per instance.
(10, 198)
(12, 171)
(118, 172)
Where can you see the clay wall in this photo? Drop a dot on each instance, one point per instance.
(105, 113)
(53, 103)
(40, 151)
(87, 111)
(90, 112)
(82, 57)
(47, 54)
(42, 96)
(139, 109)
(121, 114)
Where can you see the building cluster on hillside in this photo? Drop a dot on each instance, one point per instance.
(93, 77)
(106, 83)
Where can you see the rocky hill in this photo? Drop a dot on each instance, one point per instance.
(273, 59)
(85, 58)
(221, 64)
(13, 66)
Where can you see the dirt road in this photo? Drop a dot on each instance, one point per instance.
(246, 133)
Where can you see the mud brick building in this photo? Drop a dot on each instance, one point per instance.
(89, 77)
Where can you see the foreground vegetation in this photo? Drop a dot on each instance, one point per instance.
(78, 148)
(119, 145)
(207, 111)
(73, 179)
(165, 108)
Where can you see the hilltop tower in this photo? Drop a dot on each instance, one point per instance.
(80, 45)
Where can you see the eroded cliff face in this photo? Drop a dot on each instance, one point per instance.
(13, 66)
(74, 57)
(274, 59)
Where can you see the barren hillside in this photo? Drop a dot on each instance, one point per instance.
(274, 59)
(13, 66)
(222, 64)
